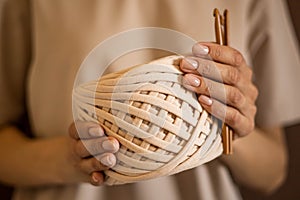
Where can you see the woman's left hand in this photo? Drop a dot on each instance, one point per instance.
(223, 82)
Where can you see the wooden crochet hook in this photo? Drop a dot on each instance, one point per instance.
(221, 30)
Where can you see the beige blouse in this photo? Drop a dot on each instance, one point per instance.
(43, 43)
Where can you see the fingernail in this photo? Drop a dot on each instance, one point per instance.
(109, 145)
(192, 80)
(96, 131)
(95, 178)
(108, 160)
(205, 99)
(199, 50)
(193, 64)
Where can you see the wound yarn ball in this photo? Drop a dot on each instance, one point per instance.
(161, 127)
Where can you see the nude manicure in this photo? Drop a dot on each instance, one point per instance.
(96, 131)
(95, 178)
(200, 50)
(107, 161)
(109, 145)
(193, 64)
(193, 81)
(206, 100)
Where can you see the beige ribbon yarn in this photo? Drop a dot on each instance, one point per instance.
(160, 125)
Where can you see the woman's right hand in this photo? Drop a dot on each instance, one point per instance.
(91, 151)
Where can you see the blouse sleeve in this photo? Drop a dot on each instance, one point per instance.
(276, 64)
(14, 58)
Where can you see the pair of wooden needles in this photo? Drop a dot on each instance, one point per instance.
(221, 30)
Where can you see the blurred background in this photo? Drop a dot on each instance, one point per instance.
(291, 189)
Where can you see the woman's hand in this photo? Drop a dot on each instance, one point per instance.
(223, 82)
(91, 151)
(78, 157)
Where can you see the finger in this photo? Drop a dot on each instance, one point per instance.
(86, 148)
(97, 178)
(223, 74)
(99, 163)
(254, 93)
(241, 124)
(219, 53)
(85, 130)
(210, 69)
(225, 93)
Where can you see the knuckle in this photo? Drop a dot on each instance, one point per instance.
(205, 69)
(221, 112)
(235, 97)
(234, 75)
(79, 149)
(217, 52)
(253, 110)
(255, 93)
(209, 87)
(250, 73)
(233, 117)
(237, 58)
